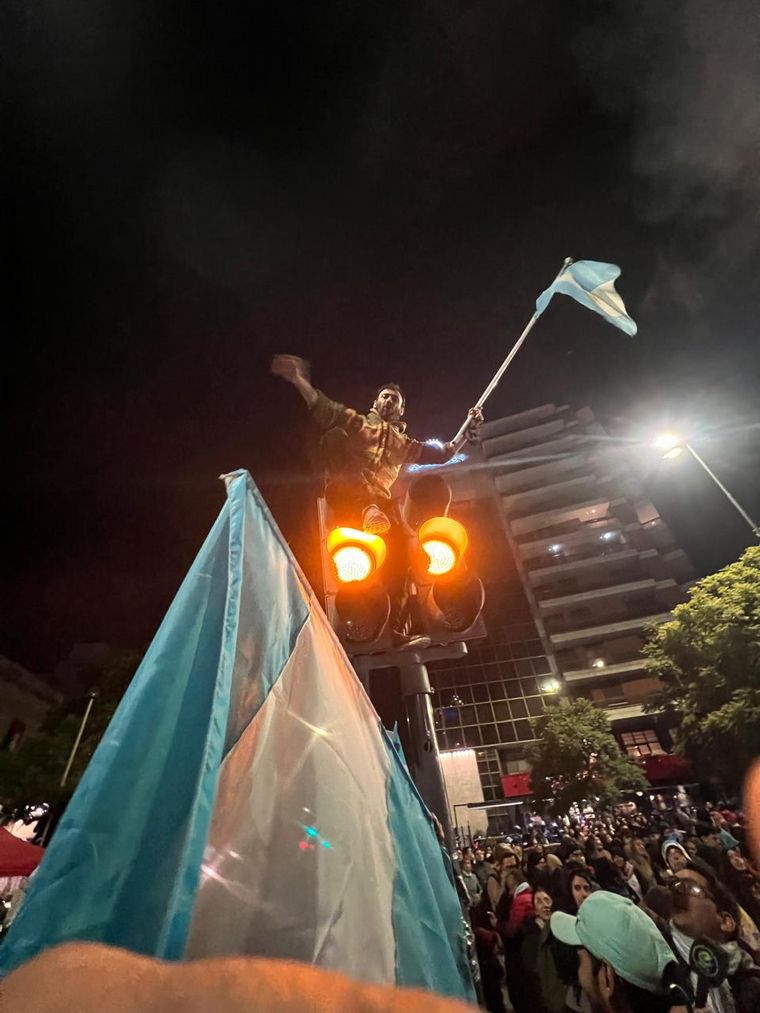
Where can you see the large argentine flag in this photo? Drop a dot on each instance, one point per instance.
(592, 284)
(245, 798)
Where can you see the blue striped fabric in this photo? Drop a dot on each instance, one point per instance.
(245, 798)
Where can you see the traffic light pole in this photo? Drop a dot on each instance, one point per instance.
(425, 760)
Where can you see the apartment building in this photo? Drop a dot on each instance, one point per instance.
(577, 564)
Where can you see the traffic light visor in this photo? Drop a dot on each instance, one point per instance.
(444, 541)
(355, 554)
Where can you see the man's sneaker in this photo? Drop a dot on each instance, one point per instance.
(410, 642)
(374, 521)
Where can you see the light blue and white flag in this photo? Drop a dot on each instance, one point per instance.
(592, 284)
(245, 798)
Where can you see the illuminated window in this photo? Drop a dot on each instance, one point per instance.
(642, 743)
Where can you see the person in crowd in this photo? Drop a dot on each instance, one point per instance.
(625, 965)
(504, 860)
(579, 884)
(626, 872)
(675, 856)
(637, 855)
(709, 847)
(471, 881)
(536, 871)
(482, 867)
(511, 930)
(743, 883)
(544, 989)
(703, 909)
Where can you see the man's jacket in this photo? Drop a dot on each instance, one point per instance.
(378, 449)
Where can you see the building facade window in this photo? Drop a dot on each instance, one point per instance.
(642, 743)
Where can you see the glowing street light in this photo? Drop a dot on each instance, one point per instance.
(671, 445)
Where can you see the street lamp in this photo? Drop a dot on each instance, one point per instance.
(671, 445)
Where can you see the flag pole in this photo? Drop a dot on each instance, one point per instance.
(503, 367)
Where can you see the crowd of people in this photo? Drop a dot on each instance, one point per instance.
(620, 914)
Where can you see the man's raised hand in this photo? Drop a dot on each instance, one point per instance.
(474, 422)
(290, 368)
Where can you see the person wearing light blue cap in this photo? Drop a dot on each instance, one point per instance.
(625, 965)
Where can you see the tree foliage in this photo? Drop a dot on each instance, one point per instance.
(577, 757)
(708, 662)
(32, 773)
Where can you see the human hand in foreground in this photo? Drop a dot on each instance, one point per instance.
(90, 978)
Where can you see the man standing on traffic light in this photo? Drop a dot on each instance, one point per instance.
(365, 453)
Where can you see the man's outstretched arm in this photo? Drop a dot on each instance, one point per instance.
(326, 413)
(298, 372)
(428, 454)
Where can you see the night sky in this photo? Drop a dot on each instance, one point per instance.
(383, 188)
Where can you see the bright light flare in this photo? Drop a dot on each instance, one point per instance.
(352, 564)
(355, 554)
(668, 442)
(444, 541)
(443, 559)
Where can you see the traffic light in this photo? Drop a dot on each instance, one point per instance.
(356, 601)
(449, 596)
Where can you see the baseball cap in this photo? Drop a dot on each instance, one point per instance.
(612, 928)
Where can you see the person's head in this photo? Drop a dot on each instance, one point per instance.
(535, 860)
(553, 862)
(580, 885)
(467, 863)
(639, 848)
(479, 855)
(513, 878)
(618, 856)
(703, 908)
(708, 835)
(577, 857)
(623, 958)
(737, 860)
(675, 855)
(389, 402)
(691, 846)
(542, 905)
(504, 857)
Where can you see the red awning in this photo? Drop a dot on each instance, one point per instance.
(17, 857)
(667, 768)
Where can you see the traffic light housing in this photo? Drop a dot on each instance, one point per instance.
(449, 596)
(356, 602)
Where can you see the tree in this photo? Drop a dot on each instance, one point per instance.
(708, 661)
(32, 773)
(577, 757)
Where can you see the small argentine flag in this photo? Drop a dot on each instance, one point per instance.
(592, 284)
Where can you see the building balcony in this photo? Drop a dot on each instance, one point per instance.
(567, 601)
(592, 509)
(581, 676)
(523, 420)
(625, 712)
(592, 633)
(541, 454)
(541, 475)
(582, 542)
(592, 567)
(521, 439)
(529, 501)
